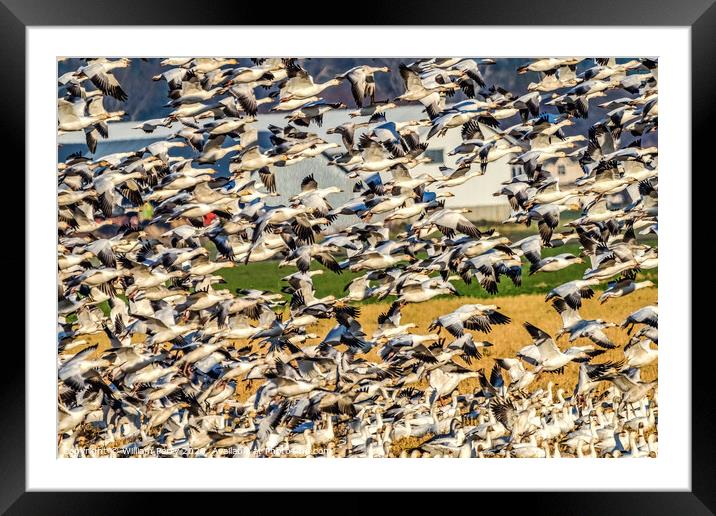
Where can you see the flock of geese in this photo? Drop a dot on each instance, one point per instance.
(136, 262)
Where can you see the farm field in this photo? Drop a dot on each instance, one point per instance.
(506, 340)
(267, 276)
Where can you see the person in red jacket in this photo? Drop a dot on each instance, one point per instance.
(208, 218)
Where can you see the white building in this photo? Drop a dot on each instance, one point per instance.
(476, 194)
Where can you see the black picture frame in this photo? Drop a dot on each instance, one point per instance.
(700, 15)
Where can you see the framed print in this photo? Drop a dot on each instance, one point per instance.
(337, 250)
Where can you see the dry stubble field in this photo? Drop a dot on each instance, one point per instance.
(506, 340)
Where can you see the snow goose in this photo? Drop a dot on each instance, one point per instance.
(99, 72)
(529, 450)
(417, 293)
(548, 64)
(300, 85)
(520, 377)
(362, 80)
(445, 379)
(547, 216)
(88, 117)
(472, 316)
(313, 112)
(417, 90)
(449, 221)
(375, 111)
(573, 292)
(201, 65)
(70, 418)
(648, 315)
(517, 420)
(373, 260)
(450, 443)
(545, 354)
(640, 353)
(576, 327)
(554, 263)
(253, 159)
(632, 391)
(623, 286)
